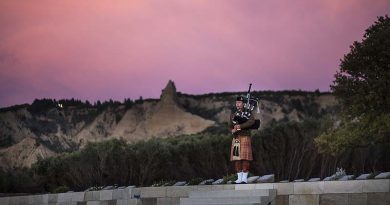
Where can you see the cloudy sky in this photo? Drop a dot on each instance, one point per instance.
(101, 49)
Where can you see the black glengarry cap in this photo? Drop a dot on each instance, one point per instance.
(240, 98)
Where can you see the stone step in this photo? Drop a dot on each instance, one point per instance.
(232, 204)
(225, 200)
(232, 193)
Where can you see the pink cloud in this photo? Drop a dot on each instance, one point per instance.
(116, 49)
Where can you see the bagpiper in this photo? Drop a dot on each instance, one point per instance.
(241, 122)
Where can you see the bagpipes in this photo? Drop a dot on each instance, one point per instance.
(250, 104)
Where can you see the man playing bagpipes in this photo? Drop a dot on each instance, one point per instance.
(241, 122)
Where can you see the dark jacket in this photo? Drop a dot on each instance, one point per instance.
(245, 131)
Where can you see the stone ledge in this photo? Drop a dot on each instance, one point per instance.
(73, 196)
(376, 185)
(356, 190)
(308, 187)
(153, 192)
(343, 187)
(106, 194)
(284, 188)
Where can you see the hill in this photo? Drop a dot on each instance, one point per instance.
(48, 127)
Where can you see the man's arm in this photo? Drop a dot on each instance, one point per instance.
(248, 123)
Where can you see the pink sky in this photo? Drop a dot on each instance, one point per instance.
(97, 50)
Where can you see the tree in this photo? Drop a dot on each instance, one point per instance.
(362, 86)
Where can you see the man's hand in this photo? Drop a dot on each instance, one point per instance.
(237, 127)
(234, 130)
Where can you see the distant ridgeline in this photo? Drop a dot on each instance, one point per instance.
(75, 144)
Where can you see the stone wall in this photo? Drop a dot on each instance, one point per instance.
(355, 192)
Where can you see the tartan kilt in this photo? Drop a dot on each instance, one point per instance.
(245, 149)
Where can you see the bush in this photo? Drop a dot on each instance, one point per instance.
(195, 181)
(61, 189)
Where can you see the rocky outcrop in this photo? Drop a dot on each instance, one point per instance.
(23, 154)
(164, 118)
(168, 94)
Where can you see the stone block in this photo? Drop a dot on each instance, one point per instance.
(45, 198)
(92, 196)
(119, 194)
(228, 186)
(334, 199)
(182, 191)
(104, 202)
(24, 199)
(52, 198)
(72, 196)
(164, 201)
(135, 193)
(267, 179)
(214, 187)
(93, 202)
(380, 185)
(222, 200)
(202, 188)
(308, 187)
(128, 192)
(4, 200)
(149, 201)
(282, 200)
(264, 186)
(357, 199)
(175, 201)
(217, 187)
(231, 193)
(38, 199)
(365, 176)
(343, 186)
(284, 188)
(153, 192)
(108, 202)
(18, 200)
(68, 203)
(378, 198)
(124, 202)
(106, 194)
(133, 202)
(311, 199)
(245, 186)
(383, 175)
